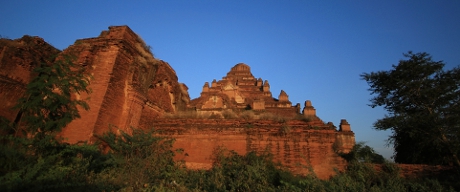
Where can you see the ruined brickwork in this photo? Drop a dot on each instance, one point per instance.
(131, 88)
(17, 60)
(296, 144)
(129, 85)
(240, 90)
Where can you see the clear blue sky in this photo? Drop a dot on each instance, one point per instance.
(313, 50)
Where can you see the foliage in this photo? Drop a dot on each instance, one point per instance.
(140, 160)
(41, 162)
(363, 177)
(48, 106)
(229, 114)
(186, 115)
(144, 162)
(234, 172)
(422, 100)
(215, 116)
(284, 129)
(304, 118)
(47, 165)
(247, 115)
(363, 153)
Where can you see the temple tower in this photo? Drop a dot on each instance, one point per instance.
(309, 110)
(344, 126)
(283, 97)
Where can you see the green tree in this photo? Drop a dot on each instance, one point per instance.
(40, 162)
(363, 153)
(140, 160)
(422, 101)
(48, 106)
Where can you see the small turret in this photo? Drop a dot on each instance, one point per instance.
(205, 87)
(283, 96)
(297, 108)
(309, 110)
(266, 89)
(259, 82)
(344, 125)
(266, 86)
(214, 83)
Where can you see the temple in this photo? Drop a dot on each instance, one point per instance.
(240, 90)
(133, 89)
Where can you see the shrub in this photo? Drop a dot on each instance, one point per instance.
(229, 114)
(303, 118)
(215, 116)
(185, 115)
(363, 153)
(48, 165)
(247, 115)
(234, 172)
(285, 129)
(266, 116)
(140, 160)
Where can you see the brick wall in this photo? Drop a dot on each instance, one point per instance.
(294, 143)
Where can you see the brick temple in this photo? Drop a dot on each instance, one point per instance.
(132, 88)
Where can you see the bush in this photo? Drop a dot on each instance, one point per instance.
(247, 115)
(215, 116)
(26, 166)
(302, 117)
(363, 153)
(140, 160)
(285, 129)
(234, 172)
(266, 116)
(185, 115)
(144, 162)
(229, 114)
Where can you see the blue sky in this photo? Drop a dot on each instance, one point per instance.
(313, 50)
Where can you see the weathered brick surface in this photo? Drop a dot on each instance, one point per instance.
(17, 60)
(239, 89)
(128, 84)
(131, 88)
(296, 144)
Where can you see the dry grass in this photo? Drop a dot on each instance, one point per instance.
(186, 115)
(285, 129)
(266, 116)
(215, 116)
(229, 114)
(303, 118)
(145, 51)
(247, 115)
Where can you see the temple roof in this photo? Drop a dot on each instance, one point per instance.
(239, 89)
(240, 71)
(241, 67)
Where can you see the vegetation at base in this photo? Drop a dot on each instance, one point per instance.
(143, 162)
(37, 160)
(364, 154)
(422, 100)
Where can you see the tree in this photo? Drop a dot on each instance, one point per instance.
(40, 162)
(422, 101)
(363, 153)
(47, 105)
